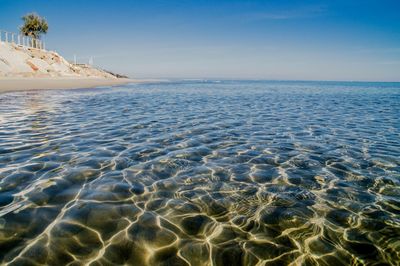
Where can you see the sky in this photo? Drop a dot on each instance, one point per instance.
(351, 40)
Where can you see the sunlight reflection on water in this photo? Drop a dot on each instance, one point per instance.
(200, 173)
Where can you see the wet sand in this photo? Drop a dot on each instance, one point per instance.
(19, 84)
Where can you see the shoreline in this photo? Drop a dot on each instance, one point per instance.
(12, 84)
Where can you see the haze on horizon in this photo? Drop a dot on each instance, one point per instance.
(294, 40)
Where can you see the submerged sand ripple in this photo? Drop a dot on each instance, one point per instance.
(233, 173)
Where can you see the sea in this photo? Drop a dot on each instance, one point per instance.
(202, 172)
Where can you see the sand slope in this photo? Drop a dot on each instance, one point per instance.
(17, 61)
(24, 68)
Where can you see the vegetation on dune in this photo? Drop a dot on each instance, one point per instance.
(34, 25)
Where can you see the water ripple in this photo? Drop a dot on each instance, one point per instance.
(186, 173)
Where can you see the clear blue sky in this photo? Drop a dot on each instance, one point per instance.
(307, 40)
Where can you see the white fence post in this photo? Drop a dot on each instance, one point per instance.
(21, 40)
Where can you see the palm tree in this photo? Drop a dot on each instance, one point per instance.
(34, 26)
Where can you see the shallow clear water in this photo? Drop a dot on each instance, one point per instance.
(202, 173)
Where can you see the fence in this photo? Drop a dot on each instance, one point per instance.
(21, 40)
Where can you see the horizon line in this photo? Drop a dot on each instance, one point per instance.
(263, 79)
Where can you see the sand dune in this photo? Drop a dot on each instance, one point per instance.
(24, 68)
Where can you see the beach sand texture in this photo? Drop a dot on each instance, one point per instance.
(24, 68)
(18, 84)
(18, 61)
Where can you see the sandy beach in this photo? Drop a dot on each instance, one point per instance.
(24, 68)
(19, 84)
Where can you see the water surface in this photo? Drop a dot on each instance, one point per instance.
(202, 173)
